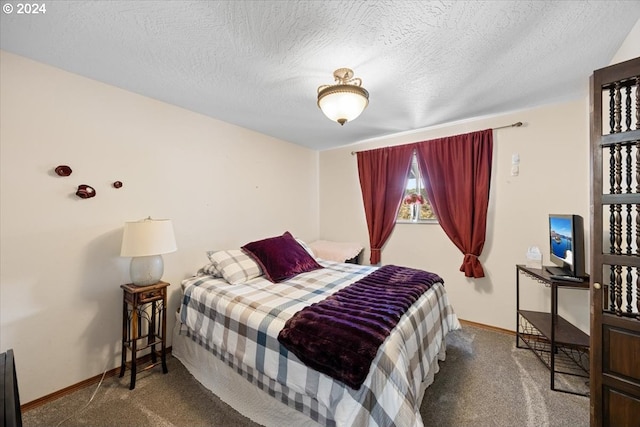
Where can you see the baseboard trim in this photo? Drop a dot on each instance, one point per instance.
(82, 384)
(115, 371)
(488, 327)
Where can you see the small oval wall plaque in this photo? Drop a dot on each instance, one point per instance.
(63, 170)
(85, 191)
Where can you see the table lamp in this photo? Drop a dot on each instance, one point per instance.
(145, 241)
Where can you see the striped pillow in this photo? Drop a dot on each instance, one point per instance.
(210, 270)
(235, 266)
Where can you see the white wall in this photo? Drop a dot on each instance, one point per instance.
(60, 270)
(631, 47)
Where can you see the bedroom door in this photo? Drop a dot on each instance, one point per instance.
(615, 245)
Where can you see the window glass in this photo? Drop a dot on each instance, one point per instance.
(415, 205)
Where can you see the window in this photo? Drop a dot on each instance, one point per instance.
(415, 205)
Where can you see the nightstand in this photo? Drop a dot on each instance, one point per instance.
(144, 325)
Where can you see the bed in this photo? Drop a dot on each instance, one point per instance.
(227, 331)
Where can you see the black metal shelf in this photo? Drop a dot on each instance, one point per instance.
(560, 345)
(566, 334)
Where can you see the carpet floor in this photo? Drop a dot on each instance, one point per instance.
(484, 381)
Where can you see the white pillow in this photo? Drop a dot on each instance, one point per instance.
(306, 247)
(210, 270)
(235, 266)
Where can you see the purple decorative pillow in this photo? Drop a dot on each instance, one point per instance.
(281, 257)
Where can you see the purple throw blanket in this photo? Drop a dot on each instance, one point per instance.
(340, 335)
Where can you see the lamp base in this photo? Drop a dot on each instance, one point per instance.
(146, 270)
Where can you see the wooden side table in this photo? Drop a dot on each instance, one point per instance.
(144, 318)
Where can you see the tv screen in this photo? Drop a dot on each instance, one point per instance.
(566, 242)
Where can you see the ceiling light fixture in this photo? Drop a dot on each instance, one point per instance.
(345, 100)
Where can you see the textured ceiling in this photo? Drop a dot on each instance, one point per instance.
(258, 64)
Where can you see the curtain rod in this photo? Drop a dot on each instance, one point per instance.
(512, 125)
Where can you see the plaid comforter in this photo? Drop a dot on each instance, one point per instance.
(240, 325)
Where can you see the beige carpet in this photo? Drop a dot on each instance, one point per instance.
(485, 381)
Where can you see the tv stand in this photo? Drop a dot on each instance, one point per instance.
(561, 346)
(557, 271)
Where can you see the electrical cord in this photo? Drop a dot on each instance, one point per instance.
(73, 415)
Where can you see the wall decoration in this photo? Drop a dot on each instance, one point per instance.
(63, 170)
(85, 191)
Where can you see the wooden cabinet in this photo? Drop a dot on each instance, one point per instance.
(144, 326)
(561, 346)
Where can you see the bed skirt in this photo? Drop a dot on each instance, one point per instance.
(243, 396)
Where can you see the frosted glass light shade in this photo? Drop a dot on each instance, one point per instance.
(345, 100)
(343, 103)
(145, 241)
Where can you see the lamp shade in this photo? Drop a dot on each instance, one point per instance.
(145, 241)
(148, 237)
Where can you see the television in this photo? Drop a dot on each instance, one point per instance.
(566, 243)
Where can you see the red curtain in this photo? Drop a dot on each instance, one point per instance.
(458, 172)
(383, 174)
